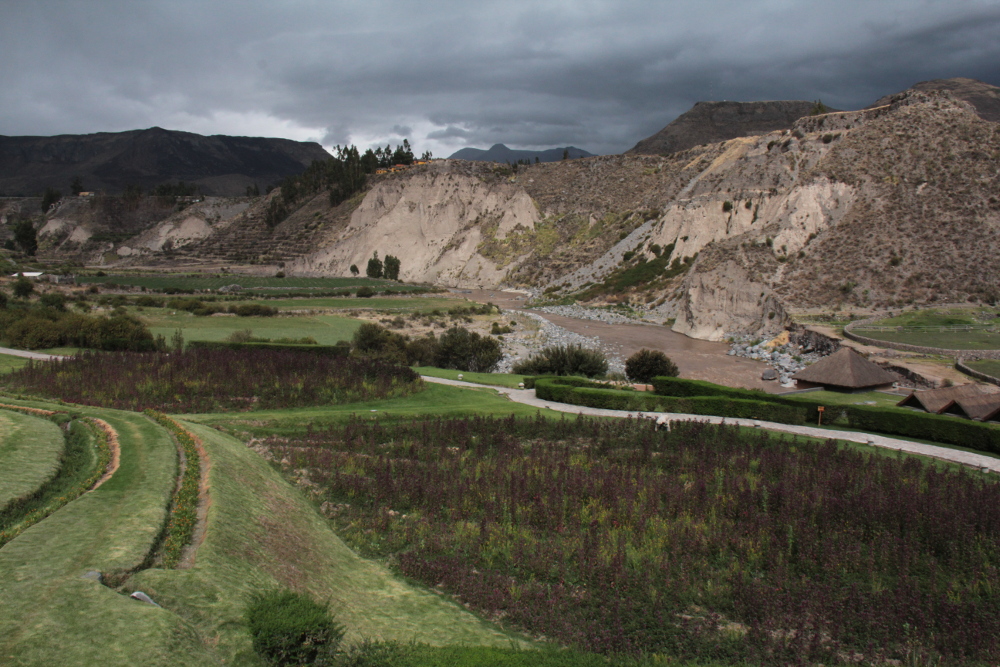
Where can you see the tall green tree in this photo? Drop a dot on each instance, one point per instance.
(50, 197)
(391, 267)
(374, 269)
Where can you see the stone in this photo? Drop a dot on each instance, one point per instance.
(142, 597)
(769, 374)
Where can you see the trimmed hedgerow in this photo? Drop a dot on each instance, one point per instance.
(937, 428)
(184, 505)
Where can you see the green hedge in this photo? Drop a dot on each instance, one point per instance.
(926, 426)
(325, 350)
(671, 386)
(577, 391)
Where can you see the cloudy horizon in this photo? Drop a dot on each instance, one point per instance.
(594, 74)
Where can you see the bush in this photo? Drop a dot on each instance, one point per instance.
(465, 350)
(375, 341)
(253, 310)
(937, 428)
(645, 364)
(288, 628)
(23, 288)
(564, 360)
(365, 292)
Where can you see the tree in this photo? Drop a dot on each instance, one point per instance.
(565, 153)
(645, 365)
(26, 237)
(564, 360)
(354, 270)
(426, 156)
(391, 267)
(374, 269)
(76, 187)
(466, 350)
(50, 197)
(23, 287)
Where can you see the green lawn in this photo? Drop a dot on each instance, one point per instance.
(9, 362)
(435, 400)
(498, 379)
(30, 450)
(326, 329)
(877, 398)
(988, 366)
(949, 340)
(50, 614)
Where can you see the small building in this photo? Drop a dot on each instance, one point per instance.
(966, 400)
(34, 275)
(845, 370)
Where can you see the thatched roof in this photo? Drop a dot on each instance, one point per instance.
(970, 400)
(847, 369)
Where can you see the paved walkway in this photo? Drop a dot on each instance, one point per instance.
(527, 397)
(29, 355)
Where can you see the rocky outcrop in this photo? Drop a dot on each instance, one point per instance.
(434, 221)
(983, 97)
(712, 122)
(726, 300)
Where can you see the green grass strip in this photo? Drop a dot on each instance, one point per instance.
(184, 506)
(31, 453)
(87, 456)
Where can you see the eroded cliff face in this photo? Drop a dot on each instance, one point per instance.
(434, 222)
(725, 300)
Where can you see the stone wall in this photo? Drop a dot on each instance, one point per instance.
(970, 355)
(979, 375)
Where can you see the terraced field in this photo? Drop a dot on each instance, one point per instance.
(30, 452)
(248, 283)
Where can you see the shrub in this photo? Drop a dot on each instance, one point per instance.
(365, 292)
(465, 350)
(288, 628)
(422, 351)
(645, 364)
(253, 310)
(375, 341)
(23, 288)
(727, 206)
(564, 360)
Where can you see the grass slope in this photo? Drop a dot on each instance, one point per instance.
(49, 613)
(30, 451)
(263, 533)
(9, 362)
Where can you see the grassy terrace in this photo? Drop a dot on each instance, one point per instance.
(939, 328)
(30, 450)
(988, 366)
(49, 614)
(265, 284)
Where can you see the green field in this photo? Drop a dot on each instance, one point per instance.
(30, 450)
(876, 398)
(498, 379)
(326, 329)
(9, 362)
(937, 328)
(988, 366)
(405, 304)
(267, 284)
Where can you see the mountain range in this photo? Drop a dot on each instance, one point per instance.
(110, 161)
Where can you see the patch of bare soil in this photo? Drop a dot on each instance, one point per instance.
(116, 451)
(696, 359)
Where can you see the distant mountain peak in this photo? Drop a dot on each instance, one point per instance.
(500, 153)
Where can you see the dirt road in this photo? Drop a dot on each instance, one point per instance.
(696, 359)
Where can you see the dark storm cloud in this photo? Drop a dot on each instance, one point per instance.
(599, 75)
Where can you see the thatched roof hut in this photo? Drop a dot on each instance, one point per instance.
(967, 400)
(845, 370)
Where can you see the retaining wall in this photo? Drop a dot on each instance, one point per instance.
(979, 375)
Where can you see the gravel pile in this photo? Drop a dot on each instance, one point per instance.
(593, 314)
(550, 334)
(786, 360)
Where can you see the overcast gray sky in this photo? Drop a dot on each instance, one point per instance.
(596, 74)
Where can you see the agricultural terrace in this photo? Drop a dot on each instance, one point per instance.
(704, 542)
(201, 380)
(324, 329)
(31, 450)
(270, 285)
(973, 328)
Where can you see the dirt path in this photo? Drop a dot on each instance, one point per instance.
(29, 355)
(527, 397)
(696, 359)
